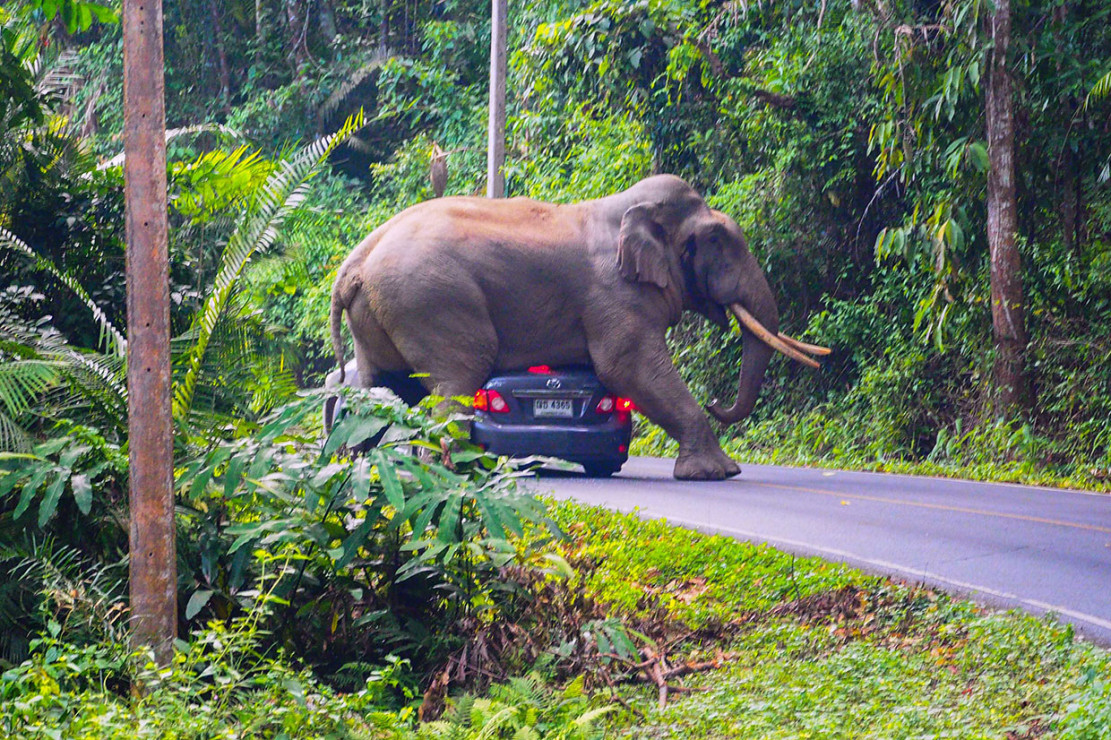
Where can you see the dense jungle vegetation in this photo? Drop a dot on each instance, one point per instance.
(848, 140)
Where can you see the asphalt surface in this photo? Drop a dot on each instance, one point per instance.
(1038, 549)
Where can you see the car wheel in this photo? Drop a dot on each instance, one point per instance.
(601, 469)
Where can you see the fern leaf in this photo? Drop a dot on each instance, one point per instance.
(110, 337)
(1100, 90)
(173, 133)
(587, 719)
(23, 381)
(283, 192)
(13, 438)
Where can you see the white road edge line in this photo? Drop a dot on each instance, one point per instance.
(946, 479)
(886, 565)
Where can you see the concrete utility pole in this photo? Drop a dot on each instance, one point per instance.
(495, 152)
(153, 564)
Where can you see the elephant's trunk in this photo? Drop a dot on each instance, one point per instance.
(759, 341)
(759, 306)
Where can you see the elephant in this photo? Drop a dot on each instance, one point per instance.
(455, 289)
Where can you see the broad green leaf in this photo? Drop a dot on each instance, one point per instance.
(559, 565)
(425, 517)
(351, 431)
(233, 474)
(49, 503)
(71, 455)
(7, 483)
(357, 539)
(82, 492)
(492, 519)
(50, 447)
(449, 521)
(978, 155)
(197, 602)
(391, 484)
(29, 491)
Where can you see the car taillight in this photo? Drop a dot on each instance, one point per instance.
(540, 370)
(497, 403)
(485, 400)
(609, 404)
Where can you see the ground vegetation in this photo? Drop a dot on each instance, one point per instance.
(416, 591)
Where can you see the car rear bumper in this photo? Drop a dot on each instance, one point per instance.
(579, 443)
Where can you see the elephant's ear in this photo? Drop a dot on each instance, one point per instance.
(642, 251)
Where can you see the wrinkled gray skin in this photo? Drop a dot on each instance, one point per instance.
(461, 288)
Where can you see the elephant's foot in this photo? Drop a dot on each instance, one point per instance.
(705, 466)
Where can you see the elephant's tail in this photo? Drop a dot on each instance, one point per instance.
(338, 305)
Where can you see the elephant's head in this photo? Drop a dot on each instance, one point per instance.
(700, 256)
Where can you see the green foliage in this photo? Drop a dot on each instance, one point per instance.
(522, 709)
(591, 158)
(218, 685)
(75, 15)
(821, 651)
(384, 549)
(643, 566)
(282, 192)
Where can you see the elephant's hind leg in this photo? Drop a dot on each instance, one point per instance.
(450, 354)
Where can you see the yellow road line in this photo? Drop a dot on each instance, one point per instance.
(941, 507)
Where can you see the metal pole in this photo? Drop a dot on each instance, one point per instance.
(152, 547)
(495, 152)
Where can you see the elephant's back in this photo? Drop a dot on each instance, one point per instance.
(476, 234)
(520, 265)
(478, 221)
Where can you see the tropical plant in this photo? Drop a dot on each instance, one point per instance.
(263, 214)
(523, 708)
(379, 551)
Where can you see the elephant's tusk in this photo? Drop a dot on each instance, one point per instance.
(754, 326)
(813, 349)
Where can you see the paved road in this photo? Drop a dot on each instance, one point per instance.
(1041, 549)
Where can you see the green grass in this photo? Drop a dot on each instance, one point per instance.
(825, 651)
(805, 649)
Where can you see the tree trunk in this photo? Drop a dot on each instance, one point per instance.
(297, 21)
(384, 24)
(221, 55)
(327, 20)
(152, 547)
(262, 23)
(1012, 386)
(1068, 185)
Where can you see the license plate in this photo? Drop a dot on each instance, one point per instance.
(560, 407)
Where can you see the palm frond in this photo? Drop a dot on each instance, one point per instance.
(23, 381)
(340, 95)
(86, 595)
(1100, 90)
(173, 133)
(101, 381)
(13, 437)
(283, 193)
(56, 77)
(110, 337)
(39, 371)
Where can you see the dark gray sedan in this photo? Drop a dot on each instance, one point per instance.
(556, 412)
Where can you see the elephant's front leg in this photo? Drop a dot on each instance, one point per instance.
(642, 370)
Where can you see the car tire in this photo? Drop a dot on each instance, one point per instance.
(601, 469)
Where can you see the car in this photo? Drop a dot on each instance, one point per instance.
(563, 412)
(554, 412)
